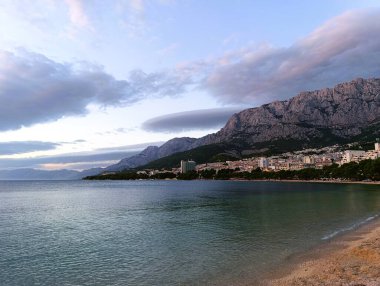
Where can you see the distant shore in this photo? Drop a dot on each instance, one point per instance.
(351, 259)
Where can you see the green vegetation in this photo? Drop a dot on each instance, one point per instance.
(364, 170)
(223, 152)
(202, 154)
(192, 175)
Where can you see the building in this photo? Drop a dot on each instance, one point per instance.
(187, 166)
(308, 160)
(372, 154)
(377, 146)
(353, 156)
(263, 163)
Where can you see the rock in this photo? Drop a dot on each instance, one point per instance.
(343, 110)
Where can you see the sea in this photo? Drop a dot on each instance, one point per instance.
(168, 232)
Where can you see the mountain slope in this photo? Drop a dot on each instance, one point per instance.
(339, 113)
(152, 153)
(202, 154)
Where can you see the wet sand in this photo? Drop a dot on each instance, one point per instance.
(353, 259)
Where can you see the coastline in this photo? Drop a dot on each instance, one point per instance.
(312, 181)
(352, 258)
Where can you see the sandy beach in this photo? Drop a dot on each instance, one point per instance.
(311, 181)
(351, 259)
(330, 181)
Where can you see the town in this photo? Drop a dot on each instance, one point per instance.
(333, 163)
(292, 161)
(325, 164)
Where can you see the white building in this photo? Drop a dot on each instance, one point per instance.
(187, 166)
(308, 160)
(353, 156)
(377, 146)
(373, 154)
(263, 163)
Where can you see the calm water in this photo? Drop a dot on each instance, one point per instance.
(166, 232)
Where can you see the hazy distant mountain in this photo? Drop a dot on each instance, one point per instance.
(34, 174)
(152, 153)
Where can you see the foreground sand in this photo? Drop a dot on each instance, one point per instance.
(353, 259)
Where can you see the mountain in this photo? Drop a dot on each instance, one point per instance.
(339, 112)
(35, 174)
(152, 153)
(349, 112)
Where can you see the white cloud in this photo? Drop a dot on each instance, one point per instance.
(77, 14)
(132, 13)
(137, 5)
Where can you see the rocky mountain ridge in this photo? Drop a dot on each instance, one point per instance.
(325, 116)
(342, 110)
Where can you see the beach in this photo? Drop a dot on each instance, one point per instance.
(351, 259)
(310, 181)
(328, 181)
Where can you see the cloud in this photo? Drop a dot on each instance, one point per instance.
(135, 147)
(101, 157)
(20, 147)
(134, 22)
(344, 48)
(190, 120)
(168, 49)
(77, 14)
(34, 88)
(74, 161)
(137, 5)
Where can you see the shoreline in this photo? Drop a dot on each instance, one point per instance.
(311, 181)
(255, 180)
(351, 258)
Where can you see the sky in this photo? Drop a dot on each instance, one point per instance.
(84, 83)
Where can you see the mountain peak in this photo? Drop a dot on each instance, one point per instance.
(343, 110)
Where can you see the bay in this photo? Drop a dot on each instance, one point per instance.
(167, 232)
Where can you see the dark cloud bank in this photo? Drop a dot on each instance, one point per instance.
(36, 89)
(190, 120)
(19, 147)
